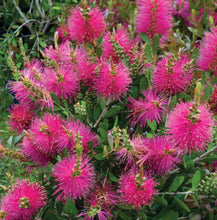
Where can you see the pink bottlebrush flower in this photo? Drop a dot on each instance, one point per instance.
(86, 71)
(172, 75)
(45, 132)
(103, 195)
(63, 33)
(85, 24)
(154, 17)
(71, 130)
(21, 117)
(112, 80)
(120, 37)
(74, 177)
(62, 54)
(30, 150)
(136, 189)
(151, 108)
(23, 201)
(190, 126)
(63, 82)
(182, 9)
(207, 60)
(157, 154)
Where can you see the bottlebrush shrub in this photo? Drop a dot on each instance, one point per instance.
(114, 124)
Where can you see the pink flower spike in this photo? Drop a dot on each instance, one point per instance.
(112, 80)
(136, 189)
(88, 23)
(21, 117)
(74, 178)
(63, 82)
(71, 130)
(207, 60)
(172, 75)
(120, 37)
(151, 108)
(157, 154)
(154, 17)
(23, 201)
(190, 126)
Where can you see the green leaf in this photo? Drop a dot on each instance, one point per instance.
(161, 201)
(98, 51)
(96, 111)
(55, 98)
(148, 52)
(100, 156)
(170, 215)
(123, 216)
(56, 8)
(43, 44)
(177, 182)
(70, 209)
(208, 92)
(103, 134)
(156, 42)
(113, 177)
(152, 125)
(182, 204)
(113, 111)
(145, 38)
(49, 215)
(209, 159)
(143, 84)
(149, 135)
(196, 179)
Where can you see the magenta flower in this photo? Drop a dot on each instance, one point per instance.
(182, 9)
(136, 189)
(30, 150)
(63, 82)
(112, 80)
(151, 108)
(172, 75)
(88, 23)
(120, 37)
(44, 134)
(208, 52)
(154, 17)
(74, 178)
(21, 117)
(190, 126)
(23, 201)
(157, 154)
(76, 128)
(60, 54)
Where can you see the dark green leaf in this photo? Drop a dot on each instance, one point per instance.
(170, 215)
(177, 182)
(196, 179)
(113, 111)
(182, 204)
(145, 38)
(161, 201)
(70, 209)
(113, 177)
(156, 42)
(208, 92)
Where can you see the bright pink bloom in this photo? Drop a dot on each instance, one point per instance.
(23, 201)
(172, 75)
(190, 127)
(151, 108)
(30, 150)
(74, 180)
(62, 82)
(60, 54)
(112, 80)
(71, 130)
(44, 134)
(120, 37)
(63, 33)
(21, 117)
(154, 17)
(182, 9)
(85, 24)
(207, 60)
(136, 189)
(158, 154)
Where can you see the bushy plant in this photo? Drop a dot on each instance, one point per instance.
(116, 119)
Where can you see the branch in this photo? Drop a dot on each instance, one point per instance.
(175, 193)
(104, 111)
(23, 16)
(197, 158)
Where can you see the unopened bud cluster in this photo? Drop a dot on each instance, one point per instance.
(208, 184)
